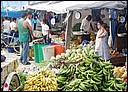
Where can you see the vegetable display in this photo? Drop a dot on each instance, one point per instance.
(42, 81)
(91, 74)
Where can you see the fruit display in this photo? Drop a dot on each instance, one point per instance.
(75, 42)
(44, 80)
(62, 36)
(74, 55)
(120, 72)
(115, 53)
(92, 73)
(57, 40)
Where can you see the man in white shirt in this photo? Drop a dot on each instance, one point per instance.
(98, 40)
(14, 27)
(86, 25)
(6, 26)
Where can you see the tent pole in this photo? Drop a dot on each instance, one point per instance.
(68, 31)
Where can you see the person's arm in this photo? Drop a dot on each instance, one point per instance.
(102, 35)
(30, 28)
(38, 20)
(91, 26)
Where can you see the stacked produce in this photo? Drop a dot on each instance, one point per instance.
(57, 40)
(75, 42)
(74, 55)
(120, 72)
(115, 53)
(91, 73)
(42, 81)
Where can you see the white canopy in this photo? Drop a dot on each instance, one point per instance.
(65, 6)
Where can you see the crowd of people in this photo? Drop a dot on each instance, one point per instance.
(24, 31)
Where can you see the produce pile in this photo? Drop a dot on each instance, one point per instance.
(115, 53)
(75, 42)
(120, 72)
(91, 73)
(74, 55)
(44, 80)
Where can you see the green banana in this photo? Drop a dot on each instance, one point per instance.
(109, 66)
(109, 89)
(91, 66)
(104, 71)
(100, 72)
(96, 79)
(115, 87)
(95, 87)
(82, 86)
(120, 85)
(92, 81)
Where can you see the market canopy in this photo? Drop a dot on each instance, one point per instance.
(65, 6)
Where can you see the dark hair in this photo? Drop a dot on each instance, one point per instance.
(89, 17)
(101, 22)
(29, 13)
(6, 17)
(104, 25)
(24, 15)
(13, 19)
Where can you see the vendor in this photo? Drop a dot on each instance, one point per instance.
(45, 29)
(86, 25)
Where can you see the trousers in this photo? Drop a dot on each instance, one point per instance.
(24, 53)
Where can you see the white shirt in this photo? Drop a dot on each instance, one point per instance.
(45, 29)
(29, 21)
(13, 25)
(85, 25)
(6, 24)
(98, 40)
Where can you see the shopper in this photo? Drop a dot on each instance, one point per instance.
(24, 28)
(14, 28)
(6, 26)
(29, 16)
(97, 41)
(45, 29)
(104, 47)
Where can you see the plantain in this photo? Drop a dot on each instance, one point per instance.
(95, 87)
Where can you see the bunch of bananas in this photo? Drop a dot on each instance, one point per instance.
(42, 81)
(92, 74)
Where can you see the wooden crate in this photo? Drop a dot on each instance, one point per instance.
(118, 61)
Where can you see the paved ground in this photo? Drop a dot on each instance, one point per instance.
(12, 56)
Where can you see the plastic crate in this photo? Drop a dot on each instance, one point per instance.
(38, 54)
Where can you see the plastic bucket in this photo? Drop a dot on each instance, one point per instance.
(38, 54)
(48, 52)
(11, 50)
(58, 49)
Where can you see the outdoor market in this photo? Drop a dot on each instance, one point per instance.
(63, 45)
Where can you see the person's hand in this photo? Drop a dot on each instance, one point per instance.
(33, 38)
(36, 17)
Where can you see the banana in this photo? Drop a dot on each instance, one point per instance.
(109, 89)
(109, 66)
(120, 85)
(82, 86)
(91, 66)
(115, 87)
(100, 72)
(95, 87)
(96, 79)
(92, 81)
(104, 71)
